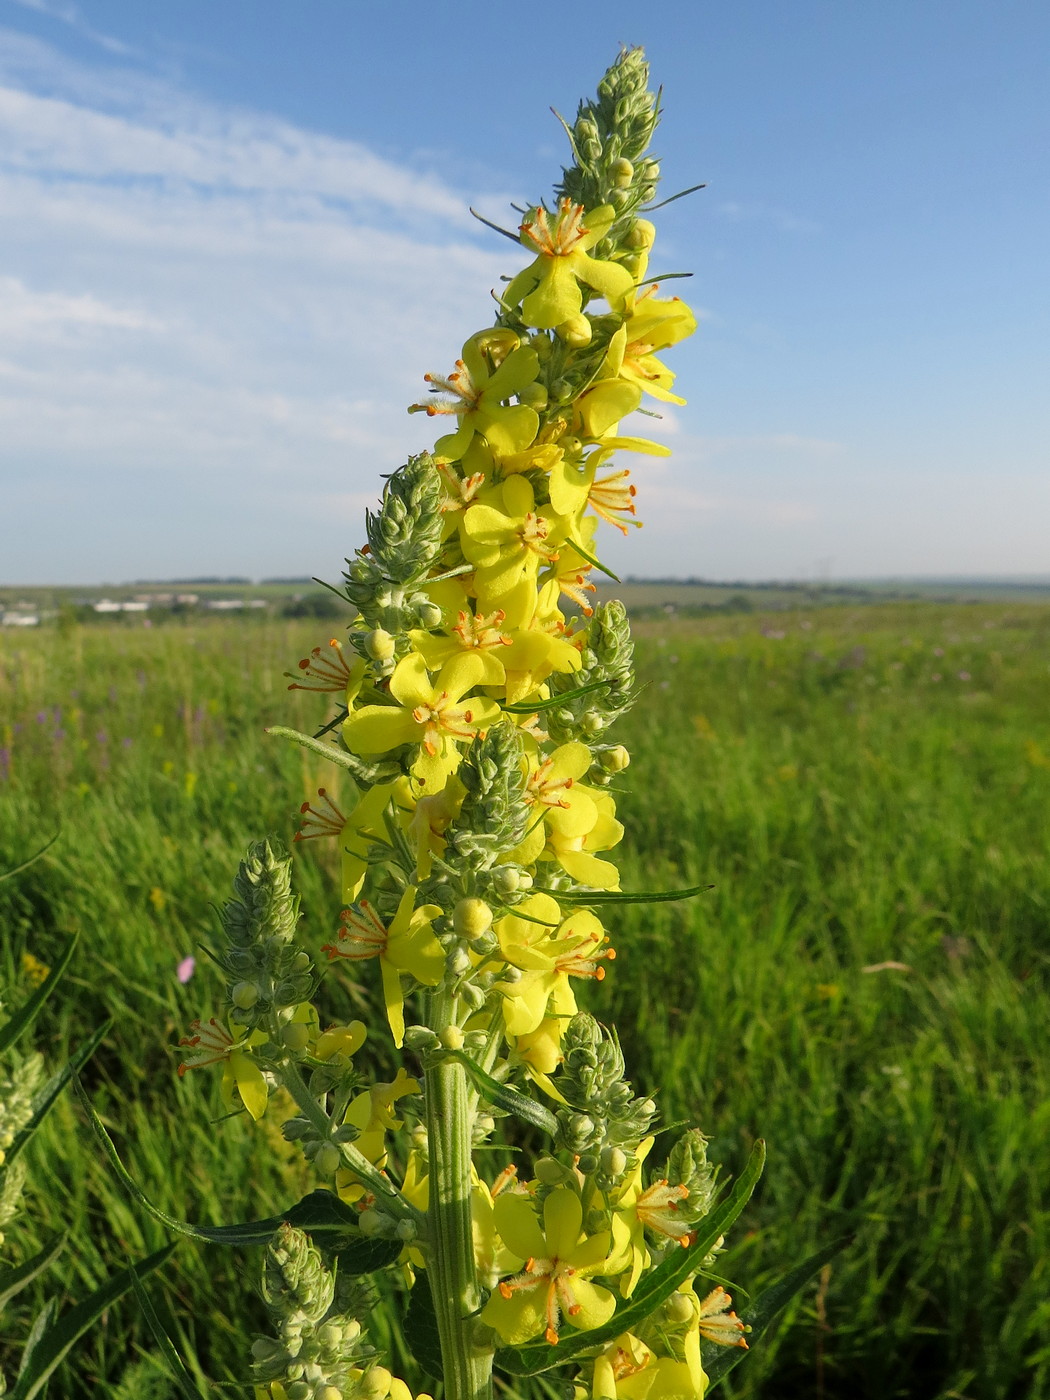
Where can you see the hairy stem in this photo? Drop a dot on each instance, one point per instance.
(453, 1277)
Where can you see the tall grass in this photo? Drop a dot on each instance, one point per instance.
(868, 792)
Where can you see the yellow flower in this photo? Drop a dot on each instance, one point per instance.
(637, 1209)
(509, 545)
(628, 1370)
(408, 945)
(429, 713)
(211, 1043)
(557, 1258)
(475, 394)
(546, 960)
(372, 1114)
(654, 325)
(548, 289)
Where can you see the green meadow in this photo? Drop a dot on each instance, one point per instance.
(866, 789)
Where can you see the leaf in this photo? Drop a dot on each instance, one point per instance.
(340, 756)
(30, 1009)
(719, 1361)
(183, 1380)
(651, 1291)
(593, 559)
(320, 1213)
(503, 1096)
(43, 1320)
(13, 1280)
(560, 699)
(624, 896)
(50, 1343)
(421, 1327)
(32, 860)
(46, 1098)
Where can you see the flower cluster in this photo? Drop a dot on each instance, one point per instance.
(475, 815)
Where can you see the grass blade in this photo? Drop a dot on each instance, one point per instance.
(51, 1342)
(719, 1361)
(13, 1280)
(181, 1376)
(46, 1098)
(30, 1009)
(17, 869)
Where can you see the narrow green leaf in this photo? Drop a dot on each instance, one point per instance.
(319, 1213)
(54, 1341)
(340, 756)
(553, 700)
(495, 227)
(332, 723)
(593, 559)
(30, 1009)
(187, 1387)
(671, 198)
(624, 896)
(45, 1100)
(508, 1099)
(32, 860)
(421, 1327)
(13, 1280)
(41, 1324)
(719, 1361)
(653, 1289)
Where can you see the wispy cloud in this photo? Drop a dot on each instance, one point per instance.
(782, 219)
(70, 15)
(203, 293)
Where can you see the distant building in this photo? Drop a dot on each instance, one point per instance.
(20, 619)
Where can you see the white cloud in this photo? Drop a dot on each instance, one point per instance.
(194, 294)
(70, 15)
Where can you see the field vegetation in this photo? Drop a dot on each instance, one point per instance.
(865, 788)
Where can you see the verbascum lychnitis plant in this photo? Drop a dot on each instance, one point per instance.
(508, 1169)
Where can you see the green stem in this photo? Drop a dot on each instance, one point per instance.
(382, 1187)
(450, 1261)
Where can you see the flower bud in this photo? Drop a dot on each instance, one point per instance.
(420, 1038)
(621, 172)
(642, 235)
(429, 616)
(459, 962)
(588, 1163)
(406, 1230)
(506, 879)
(576, 332)
(371, 1222)
(296, 1035)
(593, 722)
(244, 995)
(615, 760)
(379, 644)
(327, 1159)
(614, 1161)
(533, 396)
(549, 1170)
(678, 1308)
(375, 1384)
(571, 445)
(471, 918)
(452, 1038)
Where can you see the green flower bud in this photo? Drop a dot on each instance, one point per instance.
(678, 1308)
(379, 644)
(296, 1035)
(621, 172)
(244, 995)
(534, 396)
(506, 879)
(613, 1161)
(327, 1159)
(641, 235)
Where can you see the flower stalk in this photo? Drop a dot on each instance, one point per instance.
(475, 820)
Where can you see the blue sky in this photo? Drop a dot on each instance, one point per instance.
(233, 237)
